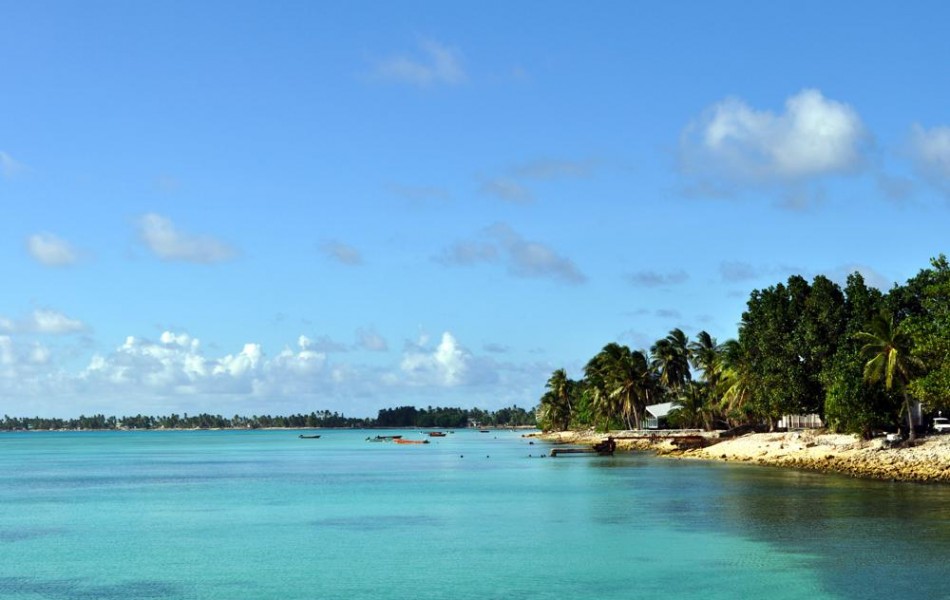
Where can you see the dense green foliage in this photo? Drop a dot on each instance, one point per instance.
(405, 416)
(859, 358)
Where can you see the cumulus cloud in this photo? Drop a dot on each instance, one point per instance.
(50, 250)
(434, 64)
(323, 344)
(174, 372)
(166, 241)
(176, 364)
(523, 258)
(533, 259)
(814, 136)
(9, 167)
(342, 253)
(42, 321)
(655, 279)
(508, 190)
(369, 339)
(468, 253)
(930, 150)
(446, 365)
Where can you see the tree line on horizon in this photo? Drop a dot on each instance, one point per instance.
(406, 416)
(857, 357)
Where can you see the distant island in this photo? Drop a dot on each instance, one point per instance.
(403, 416)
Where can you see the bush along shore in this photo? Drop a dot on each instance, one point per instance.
(927, 460)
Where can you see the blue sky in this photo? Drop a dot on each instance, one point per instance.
(259, 207)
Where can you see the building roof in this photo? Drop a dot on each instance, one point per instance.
(661, 410)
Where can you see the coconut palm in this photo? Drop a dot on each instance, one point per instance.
(692, 407)
(620, 380)
(887, 352)
(556, 402)
(670, 359)
(736, 379)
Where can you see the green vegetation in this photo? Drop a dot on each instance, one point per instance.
(405, 416)
(859, 358)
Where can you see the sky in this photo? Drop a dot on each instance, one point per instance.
(279, 207)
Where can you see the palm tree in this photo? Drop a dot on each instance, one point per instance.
(671, 360)
(558, 399)
(691, 408)
(620, 382)
(736, 379)
(887, 351)
(705, 356)
(595, 372)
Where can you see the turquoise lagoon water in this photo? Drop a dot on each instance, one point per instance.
(264, 514)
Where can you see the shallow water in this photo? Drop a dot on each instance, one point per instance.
(264, 514)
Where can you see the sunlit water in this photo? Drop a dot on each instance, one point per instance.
(265, 514)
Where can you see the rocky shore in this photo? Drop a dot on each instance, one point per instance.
(926, 461)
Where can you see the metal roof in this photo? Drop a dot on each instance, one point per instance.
(661, 410)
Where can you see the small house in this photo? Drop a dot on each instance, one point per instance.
(657, 415)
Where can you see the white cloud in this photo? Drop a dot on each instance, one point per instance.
(160, 235)
(524, 258)
(655, 279)
(50, 250)
(173, 374)
(176, 364)
(534, 259)
(9, 167)
(814, 137)
(342, 253)
(42, 321)
(930, 150)
(369, 339)
(437, 64)
(446, 365)
(508, 190)
(468, 253)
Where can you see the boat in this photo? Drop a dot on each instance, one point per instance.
(484, 431)
(436, 434)
(308, 437)
(402, 441)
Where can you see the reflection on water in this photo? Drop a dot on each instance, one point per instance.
(221, 515)
(867, 537)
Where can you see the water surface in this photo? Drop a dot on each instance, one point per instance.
(265, 514)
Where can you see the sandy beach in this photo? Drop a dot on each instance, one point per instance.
(926, 461)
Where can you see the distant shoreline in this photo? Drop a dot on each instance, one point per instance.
(376, 428)
(928, 461)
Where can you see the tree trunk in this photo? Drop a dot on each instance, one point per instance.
(911, 430)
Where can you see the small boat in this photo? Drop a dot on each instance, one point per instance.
(484, 431)
(436, 434)
(308, 437)
(402, 441)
